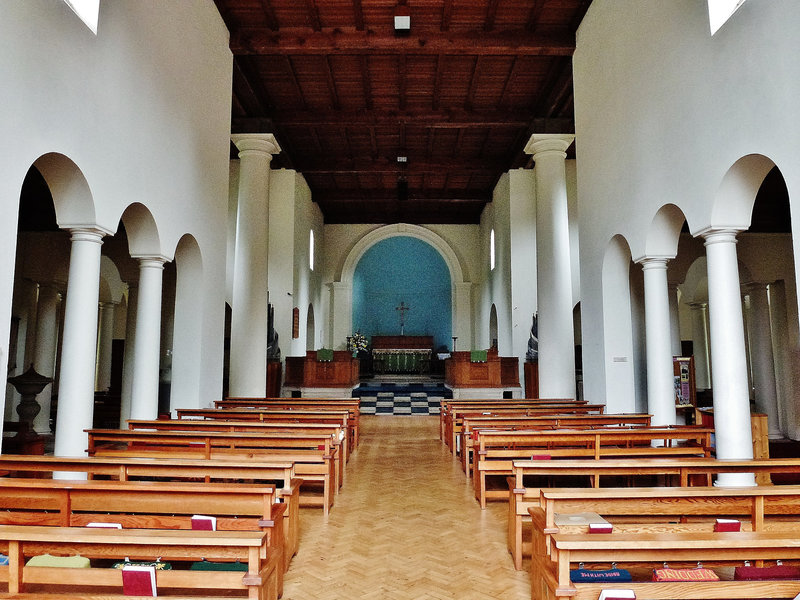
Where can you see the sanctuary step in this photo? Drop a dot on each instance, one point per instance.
(401, 397)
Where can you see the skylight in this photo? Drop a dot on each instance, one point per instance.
(719, 11)
(87, 10)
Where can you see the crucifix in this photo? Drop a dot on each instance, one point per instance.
(402, 309)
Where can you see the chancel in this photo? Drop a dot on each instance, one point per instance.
(592, 197)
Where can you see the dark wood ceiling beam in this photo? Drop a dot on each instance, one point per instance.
(317, 143)
(447, 15)
(553, 84)
(313, 15)
(350, 41)
(269, 15)
(513, 73)
(373, 143)
(382, 195)
(358, 15)
(473, 84)
(324, 164)
(459, 142)
(437, 82)
(402, 83)
(247, 93)
(441, 119)
(533, 16)
(491, 15)
(290, 71)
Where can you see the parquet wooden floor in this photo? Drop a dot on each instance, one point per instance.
(405, 527)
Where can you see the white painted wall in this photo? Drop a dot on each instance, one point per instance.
(143, 110)
(663, 110)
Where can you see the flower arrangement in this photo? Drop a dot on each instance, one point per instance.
(357, 342)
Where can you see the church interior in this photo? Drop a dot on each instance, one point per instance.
(421, 277)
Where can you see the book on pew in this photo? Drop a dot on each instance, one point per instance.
(727, 525)
(616, 595)
(105, 525)
(204, 523)
(600, 527)
(139, 580)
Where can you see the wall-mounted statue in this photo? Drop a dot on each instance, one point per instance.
(532, 354)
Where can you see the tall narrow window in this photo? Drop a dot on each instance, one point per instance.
(87, 10)
(311, 249)
(491, 250)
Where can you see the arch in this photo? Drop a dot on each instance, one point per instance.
(664, 231)
(72, 196)
(618, 342)
(112, 288)
(734, 199)
(401, 229)
(187, 342)
(143, 238)
(310, 327)
(493, 341)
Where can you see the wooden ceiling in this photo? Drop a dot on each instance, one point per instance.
(458, 96)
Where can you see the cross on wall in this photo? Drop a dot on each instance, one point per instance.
(402, 310)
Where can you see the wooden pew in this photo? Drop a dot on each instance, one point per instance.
(341, 417)
(315, 457)
(550, 577)
(249, 547)
(470, 423)
(352, 405)
(495, 450)
(147, 505)
(174, 469)
(454, 421)
(447, 405)
(684, 472)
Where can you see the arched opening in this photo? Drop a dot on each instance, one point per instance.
(310, 328)
(493, 343)
(402, 286)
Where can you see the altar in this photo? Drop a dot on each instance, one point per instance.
(402, 354)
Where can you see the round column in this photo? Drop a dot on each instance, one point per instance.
(45, 354)
(147, 344)
(761, 356)
(249, 327)
(658, 343)
(702, 365)
(105, 337)
(76, 378)
(127, 357)
(734, 437)
(553, 267)
(674, 319)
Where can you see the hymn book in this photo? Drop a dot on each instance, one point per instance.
(139, 580)
(204, 523)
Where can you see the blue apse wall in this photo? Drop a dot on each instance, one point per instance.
(403, 269)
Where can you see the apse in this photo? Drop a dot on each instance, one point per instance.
(398, 273)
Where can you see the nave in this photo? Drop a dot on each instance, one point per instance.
(406, 525)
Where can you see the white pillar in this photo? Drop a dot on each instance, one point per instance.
(76, 381)
(341, 314)
(700, 349)
(147, 344)
(658, 344)
(45, 355)
(762, 358)
(127, 357)
(674, 319)
(248, 356)
(554, 279)
(105, 337)
(734, 437)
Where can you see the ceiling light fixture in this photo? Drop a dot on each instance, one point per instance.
(402, 21)
(402, 159)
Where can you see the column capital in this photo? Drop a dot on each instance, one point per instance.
(549, 143)
(697, 305)
(756, 285)
(256, 143)
(103, 304)
(719, 235)
(654, 262)
(152, 261)
(88, 233)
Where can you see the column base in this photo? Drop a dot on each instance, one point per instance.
(735, 480)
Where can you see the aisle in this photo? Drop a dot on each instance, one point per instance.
(405, 526)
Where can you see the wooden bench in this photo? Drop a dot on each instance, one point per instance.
(23, 542)
(174, 469)
(496, 451)
(448, 406)
(315, 458)
(550, 577)
(683, 472)
(147, 505)
(342, 417)
(483, 422)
